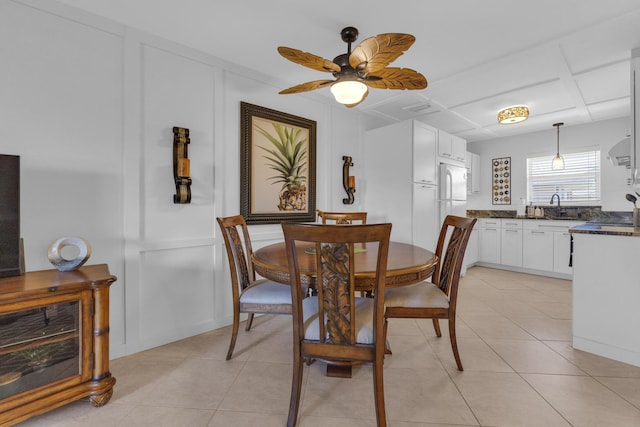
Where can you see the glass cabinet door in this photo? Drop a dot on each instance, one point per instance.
(43, 344)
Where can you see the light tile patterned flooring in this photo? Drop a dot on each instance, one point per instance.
(514, 334)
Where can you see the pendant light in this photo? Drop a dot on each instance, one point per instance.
(558, 161)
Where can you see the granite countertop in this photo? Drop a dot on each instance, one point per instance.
(567, 213)
(606, 229)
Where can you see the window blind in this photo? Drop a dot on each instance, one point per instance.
(578, 182)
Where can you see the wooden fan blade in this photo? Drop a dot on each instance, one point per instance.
(305, 87)
(363, 98)
(396, 78)
(375, 53)
(308, 59)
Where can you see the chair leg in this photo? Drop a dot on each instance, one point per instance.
(249, 322)
(234, 334)
(436, 326)
(454, 342)
(296, 390)
(378, 391)
(387, 347)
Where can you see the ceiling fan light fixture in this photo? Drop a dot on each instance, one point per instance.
(348, 91)
(515, 114)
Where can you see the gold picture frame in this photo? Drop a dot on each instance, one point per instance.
(278, 166)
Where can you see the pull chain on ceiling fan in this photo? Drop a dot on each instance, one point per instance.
(361, 69)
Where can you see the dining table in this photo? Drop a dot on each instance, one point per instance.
(406, 264)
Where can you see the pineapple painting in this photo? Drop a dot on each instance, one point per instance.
(287, 157)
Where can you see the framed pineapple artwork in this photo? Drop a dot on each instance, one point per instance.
(278, 166)
(501, 181)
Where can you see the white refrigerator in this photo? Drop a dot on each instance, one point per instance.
(452, 191)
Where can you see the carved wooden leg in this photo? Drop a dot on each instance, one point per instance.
(101, 399)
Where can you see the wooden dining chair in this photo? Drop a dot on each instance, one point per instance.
(342, 218)
(436, 299)
(249, 295)
(336, 325)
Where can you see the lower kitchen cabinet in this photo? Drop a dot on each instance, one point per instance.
(562, 252)
(537, 250)
(490, 241)
(511, 243)
(536, 246)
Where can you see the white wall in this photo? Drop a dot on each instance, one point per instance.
(89, 105)
(604, 134)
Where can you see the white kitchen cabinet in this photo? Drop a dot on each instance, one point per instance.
(546, 245)
(490, 240)
(537, 249)
(459, 148)
(425, 168)
(562, 252)
(473, 173)
(606, 295)
(511, 242)
(424, 216)
(451, 148)
(396, 157)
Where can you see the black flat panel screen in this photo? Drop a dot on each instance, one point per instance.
(9, 215)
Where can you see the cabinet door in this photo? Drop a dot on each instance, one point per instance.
(490, 245)
(445, 144)
(45, 341)
(511, 247)
(537, 250)
(424, 154)
(424, 216)
(458, 148)
(561, 252)
(475, 172)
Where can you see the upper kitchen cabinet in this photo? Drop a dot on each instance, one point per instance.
(400, 176)
(635, 116)
(424, 147)
(451, 149)
(473, 173)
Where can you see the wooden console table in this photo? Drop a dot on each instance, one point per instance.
(54, 341)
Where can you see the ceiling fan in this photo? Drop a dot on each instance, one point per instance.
(355, 71)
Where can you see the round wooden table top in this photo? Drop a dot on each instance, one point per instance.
(406, 264)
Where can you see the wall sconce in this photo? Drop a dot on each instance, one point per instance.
(181, 165)
(348, 182)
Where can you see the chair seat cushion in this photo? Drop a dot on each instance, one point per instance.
(264, 291)
(364, 319)
(423, 294)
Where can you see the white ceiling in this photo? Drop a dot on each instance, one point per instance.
(568, 60)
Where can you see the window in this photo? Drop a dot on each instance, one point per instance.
(578, 182)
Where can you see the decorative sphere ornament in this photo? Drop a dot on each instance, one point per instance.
(63, 264)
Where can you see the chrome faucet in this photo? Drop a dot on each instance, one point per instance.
(551, 202)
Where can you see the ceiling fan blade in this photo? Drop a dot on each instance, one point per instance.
(305, 87)
(396, 78)
(363, 98)
(375, 53)
(308, 59)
